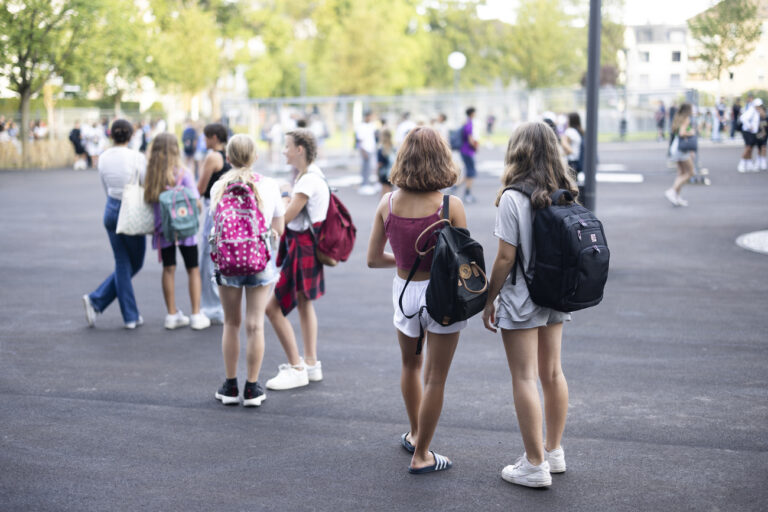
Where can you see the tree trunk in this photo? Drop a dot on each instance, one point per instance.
(118, 104)
(26, 96)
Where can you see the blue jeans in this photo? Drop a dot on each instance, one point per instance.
(129, 257)
(210, 304)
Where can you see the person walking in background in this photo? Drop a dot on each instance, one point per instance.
(241, 153)
(365, 137)
(735, 114)
(681, 127)
(214, 166)
(164, 171)
(760, 138)
(402, 129)
(94, 143)
(572, 141)
(385, 157)
(189, 143)
(118, 166)
(661, 119)
(301, 276)
(719, 120)
(76, 138)
(532, 334)
(468, 149)
(750, 125)
(422, 168)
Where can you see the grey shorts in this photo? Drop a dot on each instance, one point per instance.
(542, 317)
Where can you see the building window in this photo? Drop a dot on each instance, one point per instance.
(675, 56)
(674, 80)
(645, 56)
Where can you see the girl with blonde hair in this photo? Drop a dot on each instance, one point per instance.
(164, 171)
(532, 334)
(423, 167)
(241, 153)
(681, 127)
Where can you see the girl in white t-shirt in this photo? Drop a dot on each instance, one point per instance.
(301, 276)
(571, 141)
(532, 334)
(241, 153)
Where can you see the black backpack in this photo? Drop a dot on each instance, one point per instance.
(458, 287)
(572, 255)
(456, 138)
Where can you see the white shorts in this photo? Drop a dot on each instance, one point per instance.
(414, 298)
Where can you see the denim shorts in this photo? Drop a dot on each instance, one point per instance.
(268, 276)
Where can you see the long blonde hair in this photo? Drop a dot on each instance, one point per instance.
(684, 112)
(161, 167)
(533, 159)
(241, 153)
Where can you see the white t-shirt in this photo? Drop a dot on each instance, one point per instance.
(117, 166)
(750, 120)
(313, 185)
(402, 131)
(366, 134)
(574, 139)
(271, 205)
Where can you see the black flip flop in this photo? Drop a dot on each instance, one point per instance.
(406, 444)
(441, 464)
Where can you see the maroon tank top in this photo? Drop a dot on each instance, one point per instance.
(402, 233)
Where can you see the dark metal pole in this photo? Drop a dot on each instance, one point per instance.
(593, 89)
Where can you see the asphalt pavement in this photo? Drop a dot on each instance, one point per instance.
(668, 376)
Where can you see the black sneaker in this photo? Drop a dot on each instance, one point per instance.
(253, 394)
(228, 392)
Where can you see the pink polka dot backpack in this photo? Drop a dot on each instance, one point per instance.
(239, 245)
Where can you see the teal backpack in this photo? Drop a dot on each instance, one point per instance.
(178, 210)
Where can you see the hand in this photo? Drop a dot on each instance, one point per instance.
(489, 316)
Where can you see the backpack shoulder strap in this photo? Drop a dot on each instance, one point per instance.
(446, 214)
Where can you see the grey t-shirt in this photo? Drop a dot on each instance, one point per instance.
(514, 225)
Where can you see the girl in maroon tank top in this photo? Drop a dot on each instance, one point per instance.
(422, 168)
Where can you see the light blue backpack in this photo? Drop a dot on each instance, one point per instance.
(178, 210)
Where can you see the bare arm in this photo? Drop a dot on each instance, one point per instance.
(377, 258)
(458, 216)
(278, 226)
(212, 163)
(566, 144)
(505, 259)
(298, 201)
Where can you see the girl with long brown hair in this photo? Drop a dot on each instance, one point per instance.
(532, 334)
(164, 171)
(423, 167)
(681, 127)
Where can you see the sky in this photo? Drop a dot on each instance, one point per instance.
(636, 12)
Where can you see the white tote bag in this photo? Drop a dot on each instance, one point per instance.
(136, 217)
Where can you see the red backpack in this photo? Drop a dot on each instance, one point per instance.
(336, 238)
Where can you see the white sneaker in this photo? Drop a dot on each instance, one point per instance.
(177, 320)
(524, 473)
(199, 322)
(671, 195)
(742, 167)
(315, 373)
(289, 377)
(133, 325)
(90, 313)
(556, 459)
(763, 164)
(681, 201)
(751, 167)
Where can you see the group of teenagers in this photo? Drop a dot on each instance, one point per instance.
(422, 170)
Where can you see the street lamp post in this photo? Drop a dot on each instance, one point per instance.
(457, 61)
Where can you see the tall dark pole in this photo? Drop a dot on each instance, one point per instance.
(593, 89)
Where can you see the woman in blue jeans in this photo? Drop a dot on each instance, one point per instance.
(118, 166)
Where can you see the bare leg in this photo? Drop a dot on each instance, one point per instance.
(284, 330)
(169, 292)
(410, 382)
(553, 383)
(231, 300)
(684, 173)
(308, 322)
(255, 305)
(440, 349)
(522, 347)
(195, 288)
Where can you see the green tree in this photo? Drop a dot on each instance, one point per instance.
(727, 34)
(40, 39)
(547, 49)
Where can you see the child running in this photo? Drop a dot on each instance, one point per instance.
(241, 153)
(164, 171)
(422, 168)
(532, 334)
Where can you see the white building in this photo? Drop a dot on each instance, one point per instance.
(656, 57)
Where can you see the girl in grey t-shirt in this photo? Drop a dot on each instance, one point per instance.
(532, 334)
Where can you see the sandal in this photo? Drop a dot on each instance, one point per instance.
(441, 463)
(407, 444)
